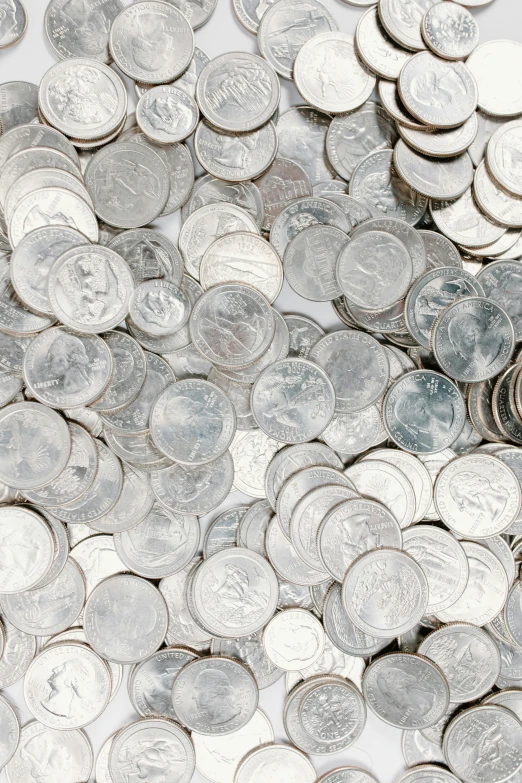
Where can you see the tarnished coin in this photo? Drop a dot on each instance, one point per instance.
(281, 32)
(149, 254)
(150, 682)
(293, 400)
(76, 30)
(377, 49)
(424, 412)
(352, 528)
(450, 31)
(57, 744)
(274, 759)
(444, 178)
(302, 133)
(495, 66)
(443, 561)
(128, 183)
(151, 42)
(235, 157)
(125, 619)
(250, 651)
(83, 98)
(376, 183)
(24, 566)
(353, 136)
(438, 92)
(215, 695)
(475, 726)
(166, 114)
(405, 28)
(405, 690)
(473, 339)
(45, 611)
(385, 592)
(222, 533)
(217, 757)
(242, 257)
(463, 222)
(329, 74)
(234, 593)
(152, 744)
(238, 91)
(194, 489)
(55, 681)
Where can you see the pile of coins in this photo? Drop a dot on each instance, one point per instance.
(142, 383)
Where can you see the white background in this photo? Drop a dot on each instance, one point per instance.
(378, 749)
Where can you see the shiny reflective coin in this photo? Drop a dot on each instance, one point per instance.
(293, 639)
(74, 744)
(331, 57)
(252, 527)
(239, 395)
(410, 239)
(235, 157)
(98, 559)
(128, 372)
(442, 143)
(286, 20)
(159, 307)
(250, 651)
(197, 699)
(347, 774)
(132, 506)
(304, 333)
(375, 182)
(151, 42)
(424, 412)
(404, 28)
(300, 483)
(222, 532)
(504, 412)
(390, 677)
(19, 104)
(166, 114)
(301, 214)
(445, 178)
(386, 484)
(499, 281)
(416, 749)
(353, 433)
(209, 190)
(512, 613)
(153, 740)
(450, 31)
(150, 682)
(10, 731)
(30, 160)
(463, 222)
(182, 630)
(294, 458)
(76, 31)
(286, 561)
(24, 568)
(283, 181)
(52, 206)
(352, 528)
(42, 178)
(476, 725)
(512, 458)
(275, 758)
(242, 257)
(425, 772)
(238, 91)
(194, 489)
(343, 632)
(495, 66)
(217, 758)
(125, 619)
(14, 24)
(391, 100)
(301, 133)
(376, 48)
(102, 762)
(128, 183)
(390, 573)
(18, 652)
(495, 201)
(47, 686)
(499, 149)
(149, 254)
(437, 92)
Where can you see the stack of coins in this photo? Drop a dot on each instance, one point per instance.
(365, 482)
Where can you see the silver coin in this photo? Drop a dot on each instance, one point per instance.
(250, 13)
(498, 96)
(166, 114)
(207, 224)
(159, 308)
(293, 639)
(61, 545)
(451, 32)
(281, 32)
(294, 458)
(506, 698)
(425, 772)
(352, 528)
(379, 52)
(391, 100)
(498, 151)
(24, 568)
(387, 572)
(149, 255)
(215, 695)
(128, 183)
(410, 239)
(273, 759)
(502, 399)
(347, 774)
(252, 527)
(511, 457)
(487, 125)
(132, 506)
(13, 348)
(238, 91)
(442, 143)
(331, 58)
(343, 632)
(239, 395)
(499, 546)
(331, 661)
(18, 652)
(405, 28)
(302, 134)
(42, 178)
(49, 697)
(445, 178)
(354, 433)
(102, 762)
(150, 682)
(136, 450)
(182, 629)
(37, 445)
(285, 560)
(163, 741)
(242, 257)
(309, 262)
(41, 137)
(416, 472)
(463, 222)
(196, 14)
(282, 182)
(217, 757)
(45, 611)
(209, 190)
(235, 157)
(375, 182)
(18, 105)
(125, 619)
(416, 749)
(250, 651)
(57, 744)
(128, 374)
(10, 731)
(495, 201)
(77, 31)
(151, 42)
(388, 679)
(473, 339)
(486, 573)
(98, 559)
(510, 671)
(232, 325)
(71, 98)
(293, 596)
(14, 24)
(475, 726)
(194, 489)
(162, 544)
(180, 170)
(304, 333)
(52, 206)
(421, 87)
(300, 483)
(512, 613)
(222, 532)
